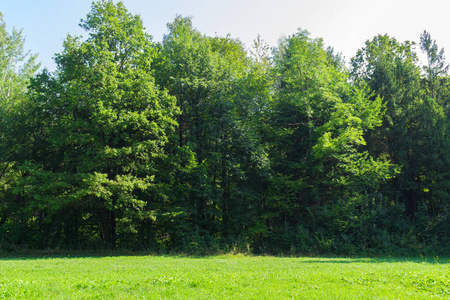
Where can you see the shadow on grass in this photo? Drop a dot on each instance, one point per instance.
(297, 259)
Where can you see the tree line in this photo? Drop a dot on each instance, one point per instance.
(196, 144)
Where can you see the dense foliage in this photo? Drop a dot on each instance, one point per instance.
(196, 144)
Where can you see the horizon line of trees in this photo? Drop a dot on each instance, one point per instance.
(195, 144)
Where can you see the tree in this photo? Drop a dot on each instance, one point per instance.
(218, 92)
(433, 126)
(413, 134)
(16, 68)
(101, 125)
(318, 124)
(436, 66)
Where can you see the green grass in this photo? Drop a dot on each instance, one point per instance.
(223, 277)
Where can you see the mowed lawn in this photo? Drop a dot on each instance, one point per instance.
(223, 277)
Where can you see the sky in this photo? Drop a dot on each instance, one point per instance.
(343, 24)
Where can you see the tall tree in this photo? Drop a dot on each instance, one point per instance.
(101, 126)
(218, 92)
(413, 120)
(433, 127)
(16, 68)
(318, 122)
(436, 65)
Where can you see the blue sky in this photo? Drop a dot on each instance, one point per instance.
(344, 24)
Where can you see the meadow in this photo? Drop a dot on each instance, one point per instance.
(223, 277)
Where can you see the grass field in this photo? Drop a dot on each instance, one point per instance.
(223, 277)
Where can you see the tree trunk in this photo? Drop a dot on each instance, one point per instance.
(106, 228)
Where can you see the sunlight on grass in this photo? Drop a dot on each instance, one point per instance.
(223, 277)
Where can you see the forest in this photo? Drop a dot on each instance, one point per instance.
(196, 144)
